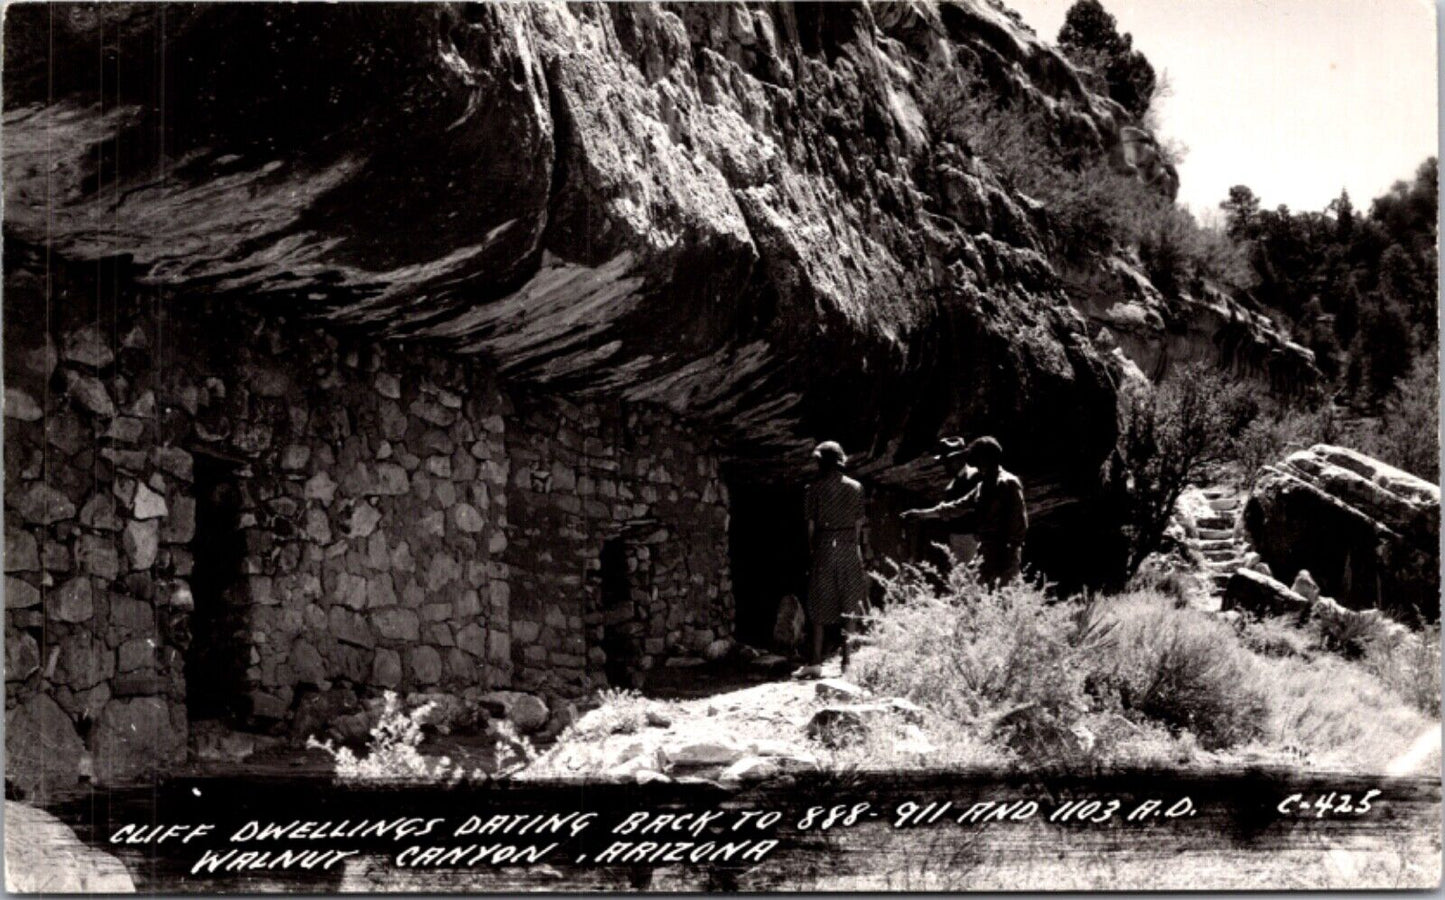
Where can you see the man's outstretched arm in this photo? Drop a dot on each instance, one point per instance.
(949, 509)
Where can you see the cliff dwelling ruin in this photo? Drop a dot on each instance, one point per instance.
(347, 393)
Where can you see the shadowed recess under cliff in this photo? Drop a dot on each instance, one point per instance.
(734, 211)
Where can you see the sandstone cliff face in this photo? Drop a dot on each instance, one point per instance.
(733, 210)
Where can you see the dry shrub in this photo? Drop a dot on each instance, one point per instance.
(969, 652)
(1184, 669)
(1410, 666)
(1137, 677)
(1277, 636)
(619, 711)
(1013, 657)
(393, 751)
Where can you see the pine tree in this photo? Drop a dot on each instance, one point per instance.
(1344, 218)
(1090, 38)
(1385, 345)
(1347, 317)
(1240, 211)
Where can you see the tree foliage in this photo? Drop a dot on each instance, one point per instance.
(1370, 279)
(1090, 38)
(1172, 436)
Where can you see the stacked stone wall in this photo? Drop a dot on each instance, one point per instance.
(380, 550)
(371, 488)
(586, 475)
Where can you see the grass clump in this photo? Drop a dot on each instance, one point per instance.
(619, 711)
(393, 751)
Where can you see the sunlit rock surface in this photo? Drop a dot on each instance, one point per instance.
(736, 212)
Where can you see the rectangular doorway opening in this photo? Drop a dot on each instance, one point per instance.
(216, 660)
(618, 615)
(768, 546)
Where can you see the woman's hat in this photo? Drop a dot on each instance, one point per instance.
(831, 451)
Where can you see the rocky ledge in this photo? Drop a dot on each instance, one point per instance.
(1369, 533)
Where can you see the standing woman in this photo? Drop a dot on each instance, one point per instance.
(837, 587)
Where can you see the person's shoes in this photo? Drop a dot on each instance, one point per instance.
(807, 672)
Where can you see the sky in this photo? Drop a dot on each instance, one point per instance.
(1294, 98)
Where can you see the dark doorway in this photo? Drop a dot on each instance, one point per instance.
(618, 616)
(768, 544)
(216, 659)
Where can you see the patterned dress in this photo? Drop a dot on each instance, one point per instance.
(836, 583)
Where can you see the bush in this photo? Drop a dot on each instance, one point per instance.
(393, 751)
(988, 656)
(1278, 432)
(1136, 677)
(1184, 669)
(619, 711)
(1410, 666)
(973, 653)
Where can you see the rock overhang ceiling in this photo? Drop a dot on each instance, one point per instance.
(735, 211)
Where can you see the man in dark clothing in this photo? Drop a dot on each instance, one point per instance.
(959, 536)
(994, 507)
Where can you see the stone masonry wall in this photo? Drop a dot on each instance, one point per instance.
(586, 475)
(373, 486)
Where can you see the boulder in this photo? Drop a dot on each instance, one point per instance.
(1305, 586)
(844, 723)
(837, 726)
(719, 751)
(526, 711)
(1368, 533)
(1256, 593)
(135, 738)
(44, 856)
(42, 749)
(838, 689)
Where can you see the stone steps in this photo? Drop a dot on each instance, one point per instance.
(1216, 540)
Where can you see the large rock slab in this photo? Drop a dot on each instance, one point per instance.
(43, 855)
(136, 738)
(42, 748)
(1368, 533)
(734, 211)
(1257, 593)
(526, 711)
